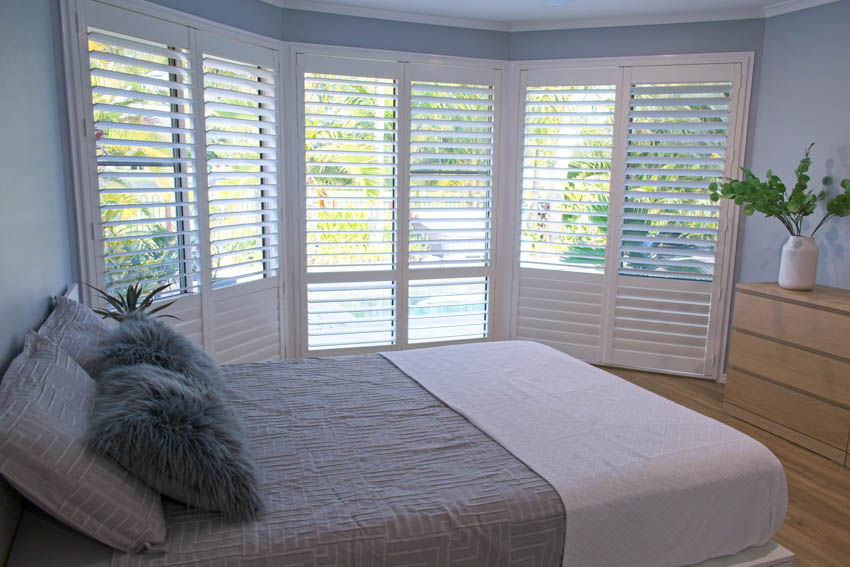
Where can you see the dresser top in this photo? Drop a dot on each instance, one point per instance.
(821, 296)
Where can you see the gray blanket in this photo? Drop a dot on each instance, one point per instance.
(361, 466)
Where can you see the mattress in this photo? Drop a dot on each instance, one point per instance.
(644, 481)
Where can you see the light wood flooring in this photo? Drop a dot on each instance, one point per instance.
(817, 527)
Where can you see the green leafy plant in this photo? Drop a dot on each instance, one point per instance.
(129, 302)
(772, 198)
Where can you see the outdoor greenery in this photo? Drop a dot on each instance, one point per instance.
(772, 198)
(565, 218)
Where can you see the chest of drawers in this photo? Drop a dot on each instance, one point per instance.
(789, 365)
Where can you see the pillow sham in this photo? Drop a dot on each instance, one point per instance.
(180, 439)
(77, 330)
(46, 399)
(142, 339)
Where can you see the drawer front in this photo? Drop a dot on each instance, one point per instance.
(816, 329)
(815, 418)
(821, 375)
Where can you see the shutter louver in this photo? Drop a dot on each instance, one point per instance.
(240, 119)
(350, 315)
(451, 160)
(676, 147)
(142, 102)
(351, 172)
(350, 165)
(567, 148)
(447, 309)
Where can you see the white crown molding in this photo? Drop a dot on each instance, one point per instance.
(787, 6)
(648, 20)
(778, 8)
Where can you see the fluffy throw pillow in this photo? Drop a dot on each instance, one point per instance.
(142, 339)
(181, 439)
(77, 330)
(46, 399)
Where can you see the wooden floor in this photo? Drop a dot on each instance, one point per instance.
(817, 527)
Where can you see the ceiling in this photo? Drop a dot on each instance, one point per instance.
(521, 15)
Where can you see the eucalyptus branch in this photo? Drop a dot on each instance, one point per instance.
(772, 198)
(825, 218)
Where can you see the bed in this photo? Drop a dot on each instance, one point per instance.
(487, 454)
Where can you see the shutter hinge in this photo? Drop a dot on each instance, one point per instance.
(91, 227)
(77, 20)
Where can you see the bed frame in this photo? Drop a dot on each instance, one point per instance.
(31, 545)
(13, 508)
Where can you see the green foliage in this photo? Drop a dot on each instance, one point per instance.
(128, 302)
(772, 198)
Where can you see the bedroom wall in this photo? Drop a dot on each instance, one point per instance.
(38, 256)
(664, 39)
(350, 31)
(804, 97)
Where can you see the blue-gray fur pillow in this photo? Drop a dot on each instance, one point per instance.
(142, 339)
(183, 441)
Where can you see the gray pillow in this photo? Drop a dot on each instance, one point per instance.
(142, 339)
(77, 330)
(182, 440)
(46, 399)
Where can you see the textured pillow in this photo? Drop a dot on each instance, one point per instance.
(180, 439)
(45, 401)
(77, 330)
(142, 339)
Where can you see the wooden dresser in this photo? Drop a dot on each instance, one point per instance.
(789, 365)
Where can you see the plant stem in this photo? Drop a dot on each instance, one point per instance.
(787, 224)
(825, 218)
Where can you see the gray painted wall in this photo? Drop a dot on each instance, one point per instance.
(35, 237)
(349, 31)
(804, 97)
(702, 37)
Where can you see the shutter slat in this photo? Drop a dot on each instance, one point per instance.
(252, 204)
(349, 228)
(560, 149)
(679, 234)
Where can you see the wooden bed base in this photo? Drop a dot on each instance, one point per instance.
(770, 554)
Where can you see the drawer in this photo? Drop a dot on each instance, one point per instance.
(825, 331)
(810, 416)
(821, 375)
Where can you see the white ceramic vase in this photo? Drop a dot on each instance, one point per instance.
(799, 264)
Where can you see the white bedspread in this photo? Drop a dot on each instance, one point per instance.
(645, 481)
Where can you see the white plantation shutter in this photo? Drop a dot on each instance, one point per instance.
(398, 178)
(183, 163)
(448, 309)
(567, 149)
(676, 147)
(620, 255)
(241, 128)
(678, 126)
(350, 134)
(451, 160)
(142, 103)
(567, 139)
(350, 315)
(242, 137)
(452, 149)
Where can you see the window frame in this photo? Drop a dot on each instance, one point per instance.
(729, 212)
(341, 61)
(505, 197)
